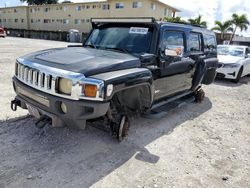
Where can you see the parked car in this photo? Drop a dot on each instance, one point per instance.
(2, 32)
(234, 62)
(125, 65)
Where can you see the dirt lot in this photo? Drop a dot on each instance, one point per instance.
(195, 145)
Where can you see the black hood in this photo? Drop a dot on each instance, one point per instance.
(87, 61)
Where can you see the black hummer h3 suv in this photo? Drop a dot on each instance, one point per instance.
(125, 65)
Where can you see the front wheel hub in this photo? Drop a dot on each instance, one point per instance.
(120, 130)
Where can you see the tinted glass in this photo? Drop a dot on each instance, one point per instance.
(195, 42)
(173, 38)
(209, 42)
(130, 39)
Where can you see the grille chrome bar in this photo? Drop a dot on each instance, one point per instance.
(51, 77)
(34, 78)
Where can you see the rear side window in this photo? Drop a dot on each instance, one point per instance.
(209, 42)
(195, 42)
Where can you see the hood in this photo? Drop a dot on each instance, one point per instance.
(87, 61)
(226, 59)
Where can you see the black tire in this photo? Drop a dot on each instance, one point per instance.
(199, 95)
(238, 75)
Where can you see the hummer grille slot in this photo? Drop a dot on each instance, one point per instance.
(33, 77)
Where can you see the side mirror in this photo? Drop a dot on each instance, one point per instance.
(147, 58)
(174, 51)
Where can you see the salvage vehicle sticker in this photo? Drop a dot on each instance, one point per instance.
(138, 30)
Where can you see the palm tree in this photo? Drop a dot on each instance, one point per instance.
(239, 21)
(177, 19)
(223, 27)
(197, 21)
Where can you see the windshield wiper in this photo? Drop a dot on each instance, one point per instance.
(117, 49)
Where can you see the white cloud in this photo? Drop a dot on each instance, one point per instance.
(212, 10)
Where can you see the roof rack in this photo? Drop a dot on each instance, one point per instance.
(124, 20)
(185, 23)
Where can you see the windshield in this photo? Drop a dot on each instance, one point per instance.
(135, 40)
(231, 50)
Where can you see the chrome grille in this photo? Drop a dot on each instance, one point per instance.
(45, 78)
(34, 77)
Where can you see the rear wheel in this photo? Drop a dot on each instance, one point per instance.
(238, 75)
(199, 95)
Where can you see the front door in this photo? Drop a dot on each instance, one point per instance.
(175, 72)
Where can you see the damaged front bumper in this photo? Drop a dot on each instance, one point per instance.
(42, 104)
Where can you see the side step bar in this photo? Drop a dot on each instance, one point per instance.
(168, 100)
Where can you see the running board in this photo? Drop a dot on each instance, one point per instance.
(161, 109)
(171, 99)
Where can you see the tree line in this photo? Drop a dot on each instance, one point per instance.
(236, 22)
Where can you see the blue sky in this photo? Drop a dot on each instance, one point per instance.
(211, 10)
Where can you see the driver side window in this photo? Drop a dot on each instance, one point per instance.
(172, 38)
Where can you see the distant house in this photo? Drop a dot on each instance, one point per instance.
(237, 40)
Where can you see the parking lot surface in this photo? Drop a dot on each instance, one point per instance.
(194, 145)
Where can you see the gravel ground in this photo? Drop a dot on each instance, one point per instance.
(195, 145)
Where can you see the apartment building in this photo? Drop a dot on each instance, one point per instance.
(65, 16)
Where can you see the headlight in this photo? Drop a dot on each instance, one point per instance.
(231, 65)
(64, 86)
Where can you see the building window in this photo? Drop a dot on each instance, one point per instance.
(83, 6)
(165, 12)
(88, 20)
(119, 5)
(16, 20)
(59, 20)
(0, 20)
(65, 21)
(15, 10)
(46, 21)
(105, 6)
(87, 6)
(153, 6)
(94, 6)
(22, 20)
(64, 8)
(137, 4)
(31, 21)
(78, 8)
(46, 9)
(77, 21)
(82, 20)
